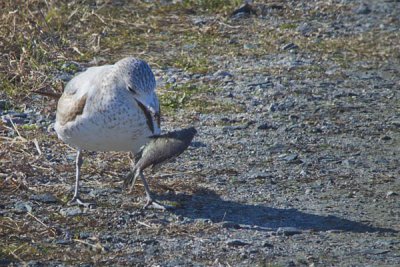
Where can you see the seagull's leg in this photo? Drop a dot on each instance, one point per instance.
(131, 180)
(131, 177)
(150, 200)
(75, 198)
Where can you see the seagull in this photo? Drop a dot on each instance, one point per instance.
(109, 108)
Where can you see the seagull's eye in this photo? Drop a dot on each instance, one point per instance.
(131, 89)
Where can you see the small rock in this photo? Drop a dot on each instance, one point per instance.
(305, 29)
(203, 221)
(223, 73)
(268, 245)
(189, 46)
(395, 123)
(237, 127)
(264, 126)
(199, 21)
(84, 235)
(63, 242)
(391, 194)
(289, 46)
(335, 231)
(228, 224)
(363, 9)
(67, 212)
(171, 80)
(288, 231)
(7, 262)
(259, 175)
(236, 243)
(233, 41)
(244, 9)
(19, 115)
(290, 157)
(3, 104)
(45, 198)
(34, 263)
(249, 46)
(22, 207)
(386, 138)
(376, 251)
(275, 148)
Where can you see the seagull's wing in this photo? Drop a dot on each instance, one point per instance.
(73, 100)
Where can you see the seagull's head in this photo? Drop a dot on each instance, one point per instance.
(139, 80)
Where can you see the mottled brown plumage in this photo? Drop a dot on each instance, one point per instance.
(70, 108)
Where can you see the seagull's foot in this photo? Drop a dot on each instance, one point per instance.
(77, 201)
(156, 205)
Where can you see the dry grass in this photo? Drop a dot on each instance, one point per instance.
(41, 39)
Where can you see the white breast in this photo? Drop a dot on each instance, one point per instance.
(111, 119)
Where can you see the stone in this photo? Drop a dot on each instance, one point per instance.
(228, 224)
(22, 207)
(67, 212)
(289, 46)
(45, 198)
(288, 231)
(236, 243)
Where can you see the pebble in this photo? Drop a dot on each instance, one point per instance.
(285, 106)
(84, 235)
(8, 262)
(245, 9)
(3, 104)
(375, 251)
(395, 123)
(63, 242)
(249, 46)
(363, 9)
(265, 126)
(69, 212)
(236, 127)
(223, 73)
(304, 29)
(203, 221)
(236, 243)
(199, 21)
(35, 263)
(259, 175)
(268, 245)
(228, 224)
(386, 138)
(290, 157)
(288, 231)
(391, 194)
(275, 148)
(289, 46)
(45, 198)
(22, 207)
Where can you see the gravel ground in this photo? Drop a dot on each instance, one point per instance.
(297, 166)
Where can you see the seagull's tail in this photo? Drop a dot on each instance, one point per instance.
(49, 94)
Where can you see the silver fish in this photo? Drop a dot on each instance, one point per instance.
(159, 149)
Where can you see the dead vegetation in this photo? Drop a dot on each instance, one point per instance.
(44, 43)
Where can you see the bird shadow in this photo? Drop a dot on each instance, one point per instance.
(206, 204)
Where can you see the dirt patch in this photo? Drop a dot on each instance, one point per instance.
(296, 158)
